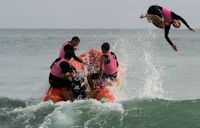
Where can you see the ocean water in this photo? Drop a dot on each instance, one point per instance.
(160, 89)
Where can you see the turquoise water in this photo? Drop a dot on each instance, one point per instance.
(161, 87)
(138, 113)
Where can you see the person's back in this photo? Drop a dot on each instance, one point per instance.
(60, 73)
(107, 70)
(108, 61)
(62, 51)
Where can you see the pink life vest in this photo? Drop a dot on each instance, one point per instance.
(167, 16)
(62, 51)
(110, 68)
(55, 69)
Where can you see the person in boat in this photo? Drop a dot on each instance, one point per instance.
(69, 49)
(164, 18)
(62, 76)
(108, 67)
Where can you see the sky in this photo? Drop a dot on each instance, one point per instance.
(89, 13)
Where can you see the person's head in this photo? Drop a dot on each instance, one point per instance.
(105, 47)
(176, 23)
(75, 41)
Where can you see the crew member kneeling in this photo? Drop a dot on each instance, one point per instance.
(108, 66)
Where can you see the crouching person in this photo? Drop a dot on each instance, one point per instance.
(108, 67)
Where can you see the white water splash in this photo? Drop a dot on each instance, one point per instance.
(68, 114)
(153, 82)
(59, 118)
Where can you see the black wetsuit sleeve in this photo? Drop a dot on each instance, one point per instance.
(167, 28)
(76, 58)
(177, 17)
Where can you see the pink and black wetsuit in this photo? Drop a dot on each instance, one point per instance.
(62, 51)
(168, 16)
(110, 67)
(60, 66)
(67, 50)
(167, 27)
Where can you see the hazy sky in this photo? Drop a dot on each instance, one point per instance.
(89, 13)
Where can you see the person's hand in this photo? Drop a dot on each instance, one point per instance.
(75, 48)
(100, 80)
(191, 29)
(85, 63)
(143, 15)
(174, 47)
(70, 76)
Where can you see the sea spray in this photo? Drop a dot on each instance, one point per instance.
(153, 82)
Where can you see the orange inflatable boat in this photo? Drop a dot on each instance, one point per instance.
(104, 93)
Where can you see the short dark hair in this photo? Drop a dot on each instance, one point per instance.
(75, 39)
(105, 46)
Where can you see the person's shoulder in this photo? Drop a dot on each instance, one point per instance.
(103, 57)
(68, 44)
(68, 47)
(64, 61)
(57, 59)
(112, 53)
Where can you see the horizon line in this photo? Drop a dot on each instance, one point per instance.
(90, 28)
